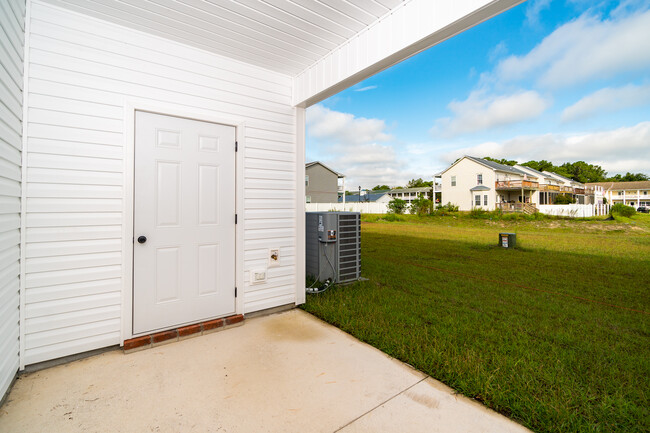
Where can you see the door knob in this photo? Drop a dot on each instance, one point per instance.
(142, 239)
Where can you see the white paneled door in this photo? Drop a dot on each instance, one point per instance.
(184, 227)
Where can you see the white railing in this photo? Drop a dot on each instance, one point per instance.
(368, 207)
(574, 210)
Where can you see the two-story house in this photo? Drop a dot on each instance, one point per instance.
(633, 194)
(410, 194)
(549, 186)
(472, 182)
(570, 187)
(322, 184)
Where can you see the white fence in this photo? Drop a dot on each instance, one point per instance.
(574, 210)
(567, 210)
(369, 207)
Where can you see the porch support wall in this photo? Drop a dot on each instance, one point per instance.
(83, 73)
(412, 27)
(12, 37)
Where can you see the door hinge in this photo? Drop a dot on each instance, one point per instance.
(236, 146)
(235, 292)
(235, 218)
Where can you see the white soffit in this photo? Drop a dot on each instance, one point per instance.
(280, 35)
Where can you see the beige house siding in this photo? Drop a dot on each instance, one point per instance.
(322, 186)
(630, 193)
(466, 172)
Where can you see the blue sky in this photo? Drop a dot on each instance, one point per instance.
(561, 80)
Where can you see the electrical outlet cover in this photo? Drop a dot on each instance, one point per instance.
(274, 257)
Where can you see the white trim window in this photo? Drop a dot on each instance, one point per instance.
(308, 199)
(485, 200)
(477, 200)
(479, 179)
(453, 181)
(306, 180)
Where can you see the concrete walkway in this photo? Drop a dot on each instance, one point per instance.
(287, 372)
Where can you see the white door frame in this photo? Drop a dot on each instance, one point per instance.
(130, 107)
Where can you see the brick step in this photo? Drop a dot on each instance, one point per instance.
(155, 339)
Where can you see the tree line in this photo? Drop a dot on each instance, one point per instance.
(579, 171)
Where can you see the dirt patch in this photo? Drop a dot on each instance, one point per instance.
(423, 399)
(283, 327)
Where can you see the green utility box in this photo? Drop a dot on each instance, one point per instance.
(508, 240)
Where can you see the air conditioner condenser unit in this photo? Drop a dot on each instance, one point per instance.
(333, 243)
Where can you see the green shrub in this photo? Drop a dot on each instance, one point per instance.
(396, 206)
(448, 207)
(421, 206)
(564, 199)
(479, 213)
(371, 217)
(622, 210)
(391, 217)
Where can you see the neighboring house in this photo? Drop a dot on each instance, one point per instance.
(633, 194)
(472, 182)
(152, 156)
(549, 186)
(372, 197)
(322, 184)
(570, 187)
(410, 194)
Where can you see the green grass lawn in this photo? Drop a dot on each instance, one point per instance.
(554, 334)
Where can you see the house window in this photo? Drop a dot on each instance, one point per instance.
(477, 200)
(308, 199)
(479, 179)
(453, 181)
(485, 200)
(620, 193)
(307, 181)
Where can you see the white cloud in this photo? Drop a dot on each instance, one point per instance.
(499, 50)
(369, 164)
(365, 89)
(583, 49)
(619, 150)
(353, 146)
(338, 127)
(480, 112)
(533, 9)
(607, 100)
(625, 7)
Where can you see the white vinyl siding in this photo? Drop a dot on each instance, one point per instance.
(82, 72)
(12, 35)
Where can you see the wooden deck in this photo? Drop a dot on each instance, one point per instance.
(515, 184)
(527, 208)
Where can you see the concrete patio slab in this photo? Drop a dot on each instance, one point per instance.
(287, 372)
(431, 407)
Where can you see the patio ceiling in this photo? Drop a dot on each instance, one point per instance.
(281, 35)
(324, 45)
